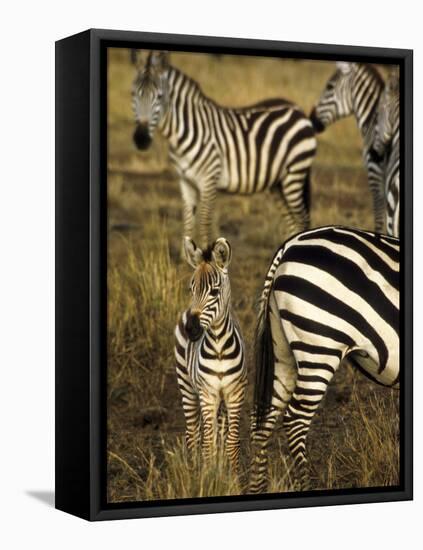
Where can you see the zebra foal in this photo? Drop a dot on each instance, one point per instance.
(242, 150)
(209, 352)
(356, 89)
(330, 293)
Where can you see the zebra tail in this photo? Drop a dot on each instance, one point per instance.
(264, 353)
(265, 369)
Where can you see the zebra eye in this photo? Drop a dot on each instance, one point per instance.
(214, 292)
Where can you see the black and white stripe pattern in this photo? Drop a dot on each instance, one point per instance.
(213, 148)
(355, 89)
(331, 293)
(387, 148)
(210, 356)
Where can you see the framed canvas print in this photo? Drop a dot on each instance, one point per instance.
(233, 274)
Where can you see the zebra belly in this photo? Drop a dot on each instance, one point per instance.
(370, 367)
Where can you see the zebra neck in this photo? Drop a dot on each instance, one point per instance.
(183, 114)
(366, 95)
(222, 327)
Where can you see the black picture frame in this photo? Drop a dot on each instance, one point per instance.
(81, 291)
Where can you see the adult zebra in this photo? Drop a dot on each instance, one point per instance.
(245, 150)
(209, 351)
(330, 293)
(355, 89)
(387, 147)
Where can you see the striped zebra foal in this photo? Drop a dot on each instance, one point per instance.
(355, 89)
(210, 356)
(330, 293)
(386, 148)
(245, 150)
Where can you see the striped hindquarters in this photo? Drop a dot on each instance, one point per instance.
(342, 286)
(331, 293)
(334, 288)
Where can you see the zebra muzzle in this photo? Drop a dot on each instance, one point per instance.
(317, 123)
(142, 138)
(193, 327)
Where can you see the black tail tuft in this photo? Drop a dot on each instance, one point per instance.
(265, 368)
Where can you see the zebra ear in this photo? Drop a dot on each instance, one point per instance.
(344, 67)
(193, 254)
(222, 253)
(135, 57)
(158, 60)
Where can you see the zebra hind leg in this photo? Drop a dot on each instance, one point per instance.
(284, 380)
(312, 383)
(376, 184)
(260, 438)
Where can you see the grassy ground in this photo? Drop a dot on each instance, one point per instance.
(354, 438)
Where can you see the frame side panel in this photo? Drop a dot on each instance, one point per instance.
(407, 243)
(72, 275)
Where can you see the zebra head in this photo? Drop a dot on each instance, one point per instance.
(336, 99)
(210, 287)
(150, 95)
(388, 115)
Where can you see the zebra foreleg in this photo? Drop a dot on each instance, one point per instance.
(222, 424)
(234, 402)
(190, 199)
(193, 426)
(205, 212)
(209, 410)
(190, 406)
(376, 177)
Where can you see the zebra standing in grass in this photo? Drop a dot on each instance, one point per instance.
(243, 150)
(387, 146)
(331, 293)
(355, 89)
(210, 355)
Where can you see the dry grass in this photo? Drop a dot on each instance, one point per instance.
(354, 438)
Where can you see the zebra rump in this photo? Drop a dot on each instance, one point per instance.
(343, 270)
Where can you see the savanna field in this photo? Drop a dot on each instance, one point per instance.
(354, 439)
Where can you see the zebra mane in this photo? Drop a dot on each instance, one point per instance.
(375, 73)
(178, 73)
